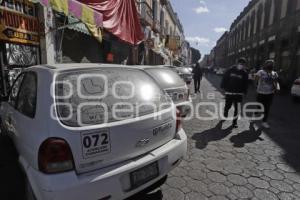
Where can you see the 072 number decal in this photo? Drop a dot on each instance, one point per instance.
(93, 140)
(95, 143)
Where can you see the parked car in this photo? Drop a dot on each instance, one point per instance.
(220, 71)
(295, 91)
(176, 88)
(185, 74)
(190, 69)
(91, 131)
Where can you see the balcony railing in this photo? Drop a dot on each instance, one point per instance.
(156, 26)
(146, 14)
(164, 32)
(163, 2)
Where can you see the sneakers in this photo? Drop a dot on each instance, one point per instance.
(234, 124)
(265, 125)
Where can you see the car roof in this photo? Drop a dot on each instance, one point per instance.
(144, 67)
(77, 66)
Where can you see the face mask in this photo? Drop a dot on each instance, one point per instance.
(240, 67)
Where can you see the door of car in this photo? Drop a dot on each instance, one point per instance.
(8, 108)
(21, 109)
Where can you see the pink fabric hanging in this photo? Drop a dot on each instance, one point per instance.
(120, 17)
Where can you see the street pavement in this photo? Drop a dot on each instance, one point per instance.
(222, 162)
(243, 163)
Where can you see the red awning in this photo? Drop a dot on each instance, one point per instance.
(120, 18)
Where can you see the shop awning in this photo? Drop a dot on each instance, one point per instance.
(120, 17)
(90, 17)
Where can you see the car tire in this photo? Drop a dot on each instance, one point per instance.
(296, 99)
(2, 132)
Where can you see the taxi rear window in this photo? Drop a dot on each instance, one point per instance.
(93, 97)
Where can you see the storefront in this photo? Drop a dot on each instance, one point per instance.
(84, 31)
(65, 31)
(19, 39)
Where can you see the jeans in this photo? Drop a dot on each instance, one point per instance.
(266, 100)
(197, 84)
(232, 100)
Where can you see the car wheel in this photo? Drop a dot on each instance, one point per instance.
(29, 195)
(2, 132)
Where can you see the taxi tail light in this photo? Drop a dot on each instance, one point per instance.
(297, 82)
(55, 156)
(178, 120)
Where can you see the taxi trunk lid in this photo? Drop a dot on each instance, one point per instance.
(103, 147)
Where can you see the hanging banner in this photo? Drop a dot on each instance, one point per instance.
(18, 22)
(120, 18)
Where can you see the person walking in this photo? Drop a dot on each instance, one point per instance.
(235, 85)
(267, 85)
(197, 71)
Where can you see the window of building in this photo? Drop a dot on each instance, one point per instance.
(284, 9)
(243, 31)
(247, 27)
(259, 18)
(167, 27)
(298, 5)
(252, 23)
(162, 17)
(278, 8)
(240, 33)
(267, 10)
(291, 7)
(155, 9)
(272, 12)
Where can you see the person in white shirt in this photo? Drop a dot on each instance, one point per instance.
(267, 81)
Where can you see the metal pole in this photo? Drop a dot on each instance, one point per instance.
(3, 74)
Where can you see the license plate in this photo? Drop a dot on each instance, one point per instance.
(95, 143)
(144, 175)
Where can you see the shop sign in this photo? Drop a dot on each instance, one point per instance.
(173, 42)
(18, 22)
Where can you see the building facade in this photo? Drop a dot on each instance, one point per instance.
(164, 35)
(221, 51)
(268, 29)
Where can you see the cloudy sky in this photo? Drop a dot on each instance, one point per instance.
(204, 21)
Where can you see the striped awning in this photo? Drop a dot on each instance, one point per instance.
(80, 27)
(91, 18)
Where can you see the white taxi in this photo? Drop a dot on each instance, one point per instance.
(91, 131)
(173, 85)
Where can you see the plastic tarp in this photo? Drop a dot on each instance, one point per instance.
(91, 18)
(120, 17)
